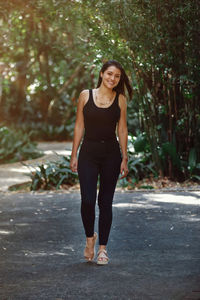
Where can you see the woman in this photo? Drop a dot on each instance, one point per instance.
(99, 111)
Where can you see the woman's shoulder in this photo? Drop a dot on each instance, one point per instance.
(84, 94)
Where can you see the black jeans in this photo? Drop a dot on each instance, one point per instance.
(98, 158)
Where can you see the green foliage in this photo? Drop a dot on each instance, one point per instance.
(16, 146)
(140, 143)
(53, 175)
(51, 50)
(193, 167)
(140, 158)
(169, 150)
(140, 162)
(165, 58)
(48, 132)
(44, 68)
(192, 159)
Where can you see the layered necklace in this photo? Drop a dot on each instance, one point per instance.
(103, 103)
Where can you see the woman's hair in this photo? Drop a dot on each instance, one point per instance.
(124, 81)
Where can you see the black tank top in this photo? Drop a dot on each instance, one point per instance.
(100, 123)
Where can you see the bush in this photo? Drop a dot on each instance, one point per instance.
(16, 146)
(53, 175)
(140, 163)
(48, 132)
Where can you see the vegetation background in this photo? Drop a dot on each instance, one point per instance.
(52, 49)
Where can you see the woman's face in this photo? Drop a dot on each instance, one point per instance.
(111, 77)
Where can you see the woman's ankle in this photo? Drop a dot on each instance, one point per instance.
(90, 240)
(102, 247)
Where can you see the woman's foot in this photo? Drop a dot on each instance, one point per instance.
(89, 251)
(102, 257)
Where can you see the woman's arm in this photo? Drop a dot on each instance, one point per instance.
(123, 135)
(78, 129)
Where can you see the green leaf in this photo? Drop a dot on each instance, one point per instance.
(196, 177)
(140, 143)
(60, 181)
(192, 159)
(170, 149)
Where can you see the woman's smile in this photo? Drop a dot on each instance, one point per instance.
(111, 77)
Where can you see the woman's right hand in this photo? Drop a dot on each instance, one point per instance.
(73, 163)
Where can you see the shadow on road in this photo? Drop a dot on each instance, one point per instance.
(153, 248)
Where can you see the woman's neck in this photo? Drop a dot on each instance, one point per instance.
(104, 91)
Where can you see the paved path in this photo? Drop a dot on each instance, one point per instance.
(16, 173)
(154, 248)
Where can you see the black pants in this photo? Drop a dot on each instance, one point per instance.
(98, 158)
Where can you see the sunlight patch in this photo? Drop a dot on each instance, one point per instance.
(180, 199)
(59, 152)
(43, 253)
(6, 232)
(18, 169)
(69, 248)
(135, 205)
(191, 218)
(22, 224)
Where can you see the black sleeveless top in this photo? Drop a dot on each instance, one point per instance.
(100, 123)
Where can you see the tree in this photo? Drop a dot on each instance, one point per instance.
(163, 44)
(43, 45)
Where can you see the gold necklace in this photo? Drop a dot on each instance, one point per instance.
(102, 103)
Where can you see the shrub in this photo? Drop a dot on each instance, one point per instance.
(140, 162)
(16, 146)
(53, 175)
(48, 132)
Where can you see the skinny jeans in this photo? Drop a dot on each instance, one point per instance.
(98, 159)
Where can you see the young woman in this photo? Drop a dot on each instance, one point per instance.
(99, 111)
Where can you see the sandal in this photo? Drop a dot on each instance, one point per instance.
(89, 252)
(102, 258)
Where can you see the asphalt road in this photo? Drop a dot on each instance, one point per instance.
(19, 172)
(154, 248)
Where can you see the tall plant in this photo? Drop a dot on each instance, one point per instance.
(162, 42)
(43, 43)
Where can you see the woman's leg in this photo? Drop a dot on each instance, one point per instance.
(88, 175)
(109, 173)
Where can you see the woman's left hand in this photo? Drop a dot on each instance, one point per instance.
(73, 164)
(124, 169)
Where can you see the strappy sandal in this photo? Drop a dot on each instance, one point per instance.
(89, 252)
(102, 258)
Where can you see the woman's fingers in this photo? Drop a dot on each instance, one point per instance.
(124, 172)
(123, 176)
(73, 165)
(74, 168)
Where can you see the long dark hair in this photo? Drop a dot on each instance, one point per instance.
(124, 81)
